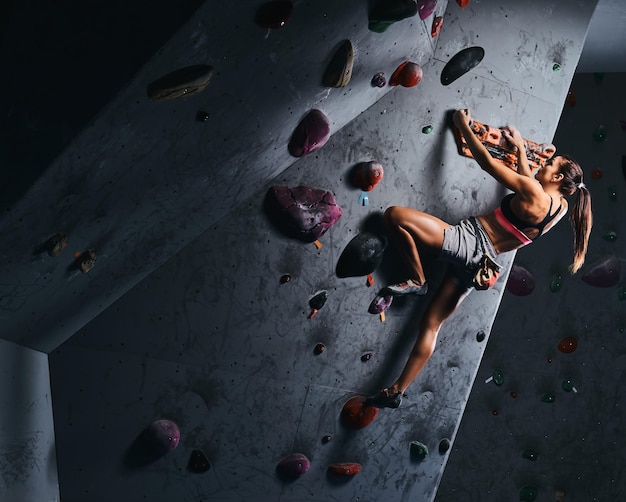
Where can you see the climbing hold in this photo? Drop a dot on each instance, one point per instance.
(310, 134)
(567, 345)
(419, 451)
(162, 436)
(530, 454)
(380, 304)
(182, 82)
(498, 377)
(556, 67)
(386, 12)
(604, 273)
(461, 63)
(198, 462)
(610, 236)
(319, 348)
(520, 282)
(621, 293)
(514, 394)
(444, 445)
(303, 212)
(425, 8)
(463, 3)
(612, 194)
(600, 133)
(317, 302)
(363, 254)
(339, 70)
(366, 357)
(56, 244)
(285, 278)
(568, 385)
(427, 129)
(293, 466)
(202, 116)
(547, 398)
(345, 468)
(355, 415)
(379, 80)
(480, 336)
(366, 175)
(597, 173)
(559, 496)
(327, 438)
(436, 27)
(274, 15)
(494, 413)
(407, 74)
(556, 283)
(86, 260)
(570, 99)
(528, 494)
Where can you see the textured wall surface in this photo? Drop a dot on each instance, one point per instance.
(580, 450)
(184, 317)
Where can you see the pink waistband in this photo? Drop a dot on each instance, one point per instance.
(521, 236)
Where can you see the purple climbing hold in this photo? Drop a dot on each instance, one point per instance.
(162, 436)
(293, 466)
(380, 304)
(310, 134)
(379, 80)
(274, 15)
(521, 282)
(303, 212)
(604, 273)
(425, 8)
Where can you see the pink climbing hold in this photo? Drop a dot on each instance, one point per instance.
(521, 282)
(293, 466)
(407, 75)
(425, 8)
(162, 436)
(604, 273)
(380, 304)
(310, 134)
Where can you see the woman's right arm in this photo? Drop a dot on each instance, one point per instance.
(513, 136)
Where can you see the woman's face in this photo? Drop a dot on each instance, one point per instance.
(550, 171)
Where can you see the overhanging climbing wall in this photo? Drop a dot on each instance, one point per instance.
(214, 342)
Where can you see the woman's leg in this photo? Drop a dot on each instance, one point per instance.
(413, 231)
(447, 298)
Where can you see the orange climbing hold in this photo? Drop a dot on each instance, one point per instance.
(345, 468)
(463, 3)
(355, 415)
(407, 75)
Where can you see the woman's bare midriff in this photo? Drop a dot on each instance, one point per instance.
(501, 238)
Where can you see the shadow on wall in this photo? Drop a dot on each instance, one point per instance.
(72, 59)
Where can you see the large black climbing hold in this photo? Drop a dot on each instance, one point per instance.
(362, 255)
(386, 12)
(198, 462)
(461, 63)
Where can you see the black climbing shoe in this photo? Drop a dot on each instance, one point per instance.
(385, 400)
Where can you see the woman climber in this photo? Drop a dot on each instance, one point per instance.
(535, 206)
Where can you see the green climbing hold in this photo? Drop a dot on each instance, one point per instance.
(600, 133)
(621, 293)
(567, 385)
(547, 398)
(556, 67)
(419, 451)
(428, 129)
(530, 454)
(498, 377)
(528, 494)
(556, 283)
(610, 236)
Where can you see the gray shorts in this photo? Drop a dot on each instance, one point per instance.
(462, 250)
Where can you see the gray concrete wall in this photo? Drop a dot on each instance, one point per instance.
(577, 440)
(28, 470)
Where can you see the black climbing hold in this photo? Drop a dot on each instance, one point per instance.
(202, 116)
(327, 439)
(461, 63)
(366, 357)
(444, 445)
(361, 256)
(198, 462)
(285, 278)
(318, 301)
(480, 336)
(319, 348)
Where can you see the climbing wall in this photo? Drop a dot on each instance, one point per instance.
(184, 319)
(551, 427)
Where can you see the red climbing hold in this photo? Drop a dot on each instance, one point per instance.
(345, 468)
(436, 27)
(355, 415)
(463, 3)
(568, 345)
(407, 75)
